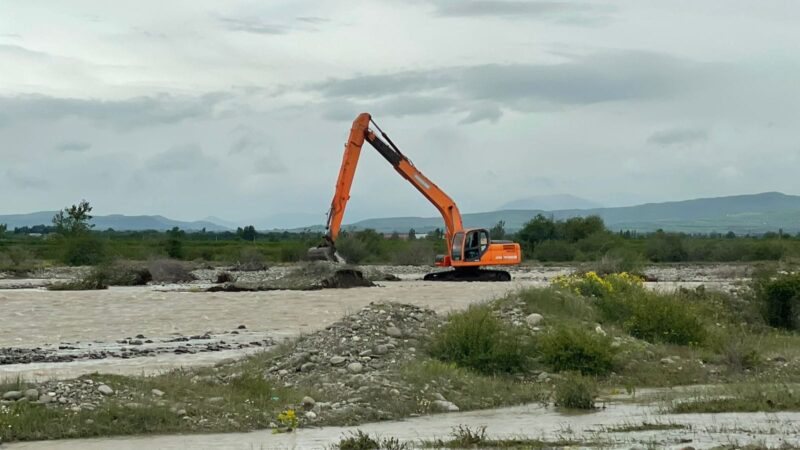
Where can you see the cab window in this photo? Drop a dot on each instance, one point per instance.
(458, 243)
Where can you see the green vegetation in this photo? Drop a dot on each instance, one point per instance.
(575, 391)
(245, 396)
(359, 440)
(780, 299)
(576, 349)
(742, 397)
(477, 339)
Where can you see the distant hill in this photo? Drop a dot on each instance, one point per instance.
(115, 221)
(551, 203)
(756, 213)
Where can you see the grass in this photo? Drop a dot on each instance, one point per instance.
(741, 397)
(575, 391)
(577, 349)
(477, 339)
(248, 402)
(644, 426)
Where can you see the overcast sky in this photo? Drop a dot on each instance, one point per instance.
(239, 109)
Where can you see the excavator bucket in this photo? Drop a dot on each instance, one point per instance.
(324, 253)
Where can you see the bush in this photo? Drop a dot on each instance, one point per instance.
(575, 391)
(83, 250)
(121, 273)
(415, 253)
(780, 300)
(666, 247)
(662, 318)
(577, 349)
(250, 260)
(616, 261)
(554, 251)
(359, 440)
(475, 338)
(353, 250)
(170, 271)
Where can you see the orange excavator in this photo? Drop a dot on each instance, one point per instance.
(468, 250)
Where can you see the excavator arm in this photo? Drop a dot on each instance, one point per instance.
(361, 132)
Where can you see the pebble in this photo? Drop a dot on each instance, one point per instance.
(307, 367)
(215, 400)
(381, 349)
(180, 412)
(444, 405)
(355, 367)
(394, 332)
(534, 319)
(105, 390)
(12, 395)
(32, 395)
(544, 376)
(311, 415)
(337, 360)
(308, 402)
(157, 392)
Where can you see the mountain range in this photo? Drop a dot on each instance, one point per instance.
(742, 214)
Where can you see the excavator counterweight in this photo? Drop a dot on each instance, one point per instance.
(468, 250)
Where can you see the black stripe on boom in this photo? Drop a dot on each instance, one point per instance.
(394, 157)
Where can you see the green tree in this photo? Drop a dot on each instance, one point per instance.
(3, 229)
(247, 233)
(537, 230)
(412, 234)
(498, 231)
(174, 244)
(74, 220)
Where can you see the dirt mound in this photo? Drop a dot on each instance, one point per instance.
(308, 277)
(355, 363)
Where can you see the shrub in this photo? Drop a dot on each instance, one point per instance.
(554, 251)
(353, 250)
(466, 437)
(170, 271)
(359, 441)
(121, 273)
(664, 318)
(93, 281)
(589, 284)
(577, 349)
(83, 250)
(575, 391)
(475, 338)
(666, 247)
(250, 260)
(780, 300)
(415, 253)
(616, 261)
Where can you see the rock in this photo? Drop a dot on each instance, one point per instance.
(311, 415)
(534, 319)
(32, 395)
(445, 406)
(395, 392)
(12, 395)
(667, 361)
(544, 376)
(599, 330)
(308, 402)
(283, 372)
(337, 360)
(355, 367)
(381, 349)
(439, 396)
(45, 399)
(215, 400)
(394, 332)
(157, 392)
(307, 367)
(180, 412)
(105, 390)
(241, 327)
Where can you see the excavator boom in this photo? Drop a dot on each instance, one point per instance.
(464, 246)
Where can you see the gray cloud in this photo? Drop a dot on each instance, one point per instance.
(251, 25)
(117, 114)
(269, 164)
(678, 136)
(480, 113)
(485, 90)
(178, 158)
(73, 146)
(516, 9)
(25, 181)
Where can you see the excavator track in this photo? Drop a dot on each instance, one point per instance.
(469, 275)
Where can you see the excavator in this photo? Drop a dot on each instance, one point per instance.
(468, 250)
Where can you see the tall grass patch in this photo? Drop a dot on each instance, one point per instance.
(577, 349)
(477, 339)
